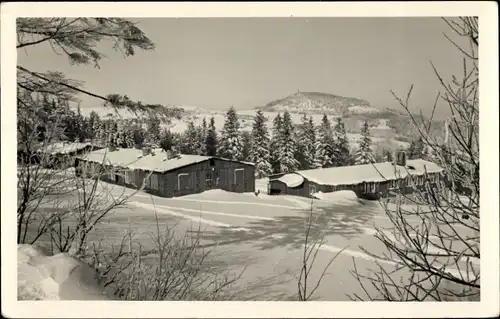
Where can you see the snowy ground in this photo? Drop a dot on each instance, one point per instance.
(263, 235)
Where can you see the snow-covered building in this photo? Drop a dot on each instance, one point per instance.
(56, 154)
(368, 181)
(167, 174)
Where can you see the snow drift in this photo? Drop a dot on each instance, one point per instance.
(42, 276)
(340, 197)
(292, 180)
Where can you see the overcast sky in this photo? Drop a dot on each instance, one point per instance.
(247, 62)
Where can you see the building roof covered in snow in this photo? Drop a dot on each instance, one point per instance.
(420, 166)
(156, 161)
(292, 180)
(62, 148)
(356, 174)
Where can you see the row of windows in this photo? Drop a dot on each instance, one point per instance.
(185, 181)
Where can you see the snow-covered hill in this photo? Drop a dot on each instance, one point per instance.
(316, 102)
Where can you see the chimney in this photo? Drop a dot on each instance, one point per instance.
(401, 158)
(146, 151)
(169, 154)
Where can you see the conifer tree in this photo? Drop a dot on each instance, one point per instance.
(417, 149)
(139, 135)
(80, 125)
(246, 140)
(274, 144)
(324, 144)
(211, 139)
(231, 146)
(191, 141)
(127, 136)
(259, 152)
(287, 148)
(166, 140)
(112, 133)
(306, 139)
(364, 154)
(310, 136)
(121, 140)
(153, 130)
(301, 142)
(178, 143)
(203, 137)
(93, 125)
(341, 145)
(100, 133)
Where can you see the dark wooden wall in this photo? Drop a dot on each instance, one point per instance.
(362, 190)
(195, 178)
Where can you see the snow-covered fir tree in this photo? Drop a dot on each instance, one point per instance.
(178, 142)
(112, 133)
(246, 140)
(211, 139)
(306, 139)
(100, 133)
(120, 139)
(166, 140)
(80, 125)
(259, 152)
(139, 135)
(274, 144)
(287, 147)
(301, 143)
(417, 149)
(128, 134)
(203, 137)
(310, 136)
(364, 153)
(341, 149)
(93, 125)
(231, 146)
(153, 130)
(191, 141)
(324, 144)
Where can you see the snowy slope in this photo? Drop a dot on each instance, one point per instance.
(42, 276)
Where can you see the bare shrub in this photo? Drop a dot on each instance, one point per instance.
(174, 269)
(433, 241)
(312, 245)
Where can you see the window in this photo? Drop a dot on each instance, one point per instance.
(239, 176)
(183, 181)
(212, 162)
(127, 176)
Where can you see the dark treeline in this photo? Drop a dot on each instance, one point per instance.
(280, 146)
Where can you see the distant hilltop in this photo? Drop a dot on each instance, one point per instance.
(320, 102)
